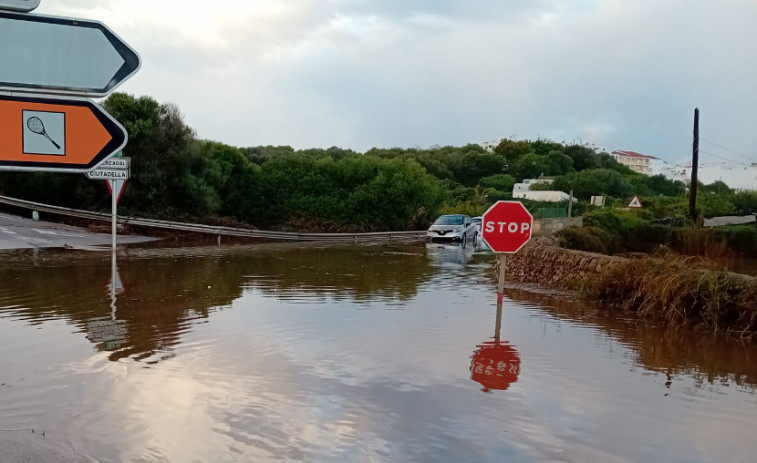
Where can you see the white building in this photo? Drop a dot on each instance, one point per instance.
(523, 191)
(553, 196)
(491, 144)
(638, 162)
(737, 176)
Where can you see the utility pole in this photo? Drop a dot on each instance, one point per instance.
(694, 171)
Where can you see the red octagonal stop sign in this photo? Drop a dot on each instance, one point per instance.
(506, 226)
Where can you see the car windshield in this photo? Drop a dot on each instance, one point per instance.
(449, 220)
(476, 220)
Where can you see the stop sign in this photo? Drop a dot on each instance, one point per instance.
(506, 226)
(496, 365)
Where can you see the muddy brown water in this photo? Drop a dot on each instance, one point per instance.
(377, 353)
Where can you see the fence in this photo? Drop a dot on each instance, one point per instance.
(551, 212)
(214, 230)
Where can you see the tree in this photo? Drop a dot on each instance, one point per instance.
(513, 150)
(530, 166)
(583, 158)
(594, 182)
(262, 154)
(717, 187)
(544, 147)
(559, 163)
(167, 167)
(476, 165)
(501, 182)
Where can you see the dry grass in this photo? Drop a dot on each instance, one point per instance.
(680, 291)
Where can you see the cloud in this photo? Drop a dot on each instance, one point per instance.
(618, 73)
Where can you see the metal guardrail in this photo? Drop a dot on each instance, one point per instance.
(213, 230)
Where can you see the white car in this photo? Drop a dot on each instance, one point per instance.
(453, 228)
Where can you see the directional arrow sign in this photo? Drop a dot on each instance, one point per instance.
(108, 174)
(116, 163)
(48, 54)
(19, 5)
(55, 134)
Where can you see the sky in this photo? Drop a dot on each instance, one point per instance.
(619, 74)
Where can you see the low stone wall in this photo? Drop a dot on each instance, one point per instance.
(546, 227)
(672, 290)
(542, 262)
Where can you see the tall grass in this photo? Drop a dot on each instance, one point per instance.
(678, 291)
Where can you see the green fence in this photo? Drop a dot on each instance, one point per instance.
(551, 212)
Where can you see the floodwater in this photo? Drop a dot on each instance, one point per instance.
(385, 353)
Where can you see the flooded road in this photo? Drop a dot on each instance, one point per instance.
(354, 354)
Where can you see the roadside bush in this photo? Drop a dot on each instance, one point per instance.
(630, 231)
(742, 239)
(717, 242)
(745, 202)
(589, 239)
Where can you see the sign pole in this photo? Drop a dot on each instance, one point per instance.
(114, 206)
(498, 326)
(113, 273)
(502, 268)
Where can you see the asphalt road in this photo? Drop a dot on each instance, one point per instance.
(22, 233)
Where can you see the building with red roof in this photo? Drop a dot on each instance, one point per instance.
(638, 162)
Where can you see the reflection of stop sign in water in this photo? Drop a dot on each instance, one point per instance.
(506, 226)
(496, 365)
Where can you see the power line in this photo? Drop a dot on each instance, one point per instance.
(724, 159)
(751, 158)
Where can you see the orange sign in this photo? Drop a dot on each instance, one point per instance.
(56, 135)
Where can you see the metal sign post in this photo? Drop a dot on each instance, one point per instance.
(116, 171)
(114, 208)
(502, 258)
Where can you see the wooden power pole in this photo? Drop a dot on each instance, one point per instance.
(694, 171)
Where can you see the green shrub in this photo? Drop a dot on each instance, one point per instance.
(629, 231)
(590, 239)
(465, 207)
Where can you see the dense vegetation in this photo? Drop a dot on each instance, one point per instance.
(175, 175)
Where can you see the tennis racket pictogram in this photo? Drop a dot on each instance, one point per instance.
(36, 125)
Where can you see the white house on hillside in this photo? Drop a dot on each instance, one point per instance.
(638, 162)
(523, 191)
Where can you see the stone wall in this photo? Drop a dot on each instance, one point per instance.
(542, 262)
(546, 227)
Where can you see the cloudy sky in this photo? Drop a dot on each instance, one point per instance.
(621, 74)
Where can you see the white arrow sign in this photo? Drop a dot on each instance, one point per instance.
(48, 54)
(109, 174)
(116, 163)
(19, 5)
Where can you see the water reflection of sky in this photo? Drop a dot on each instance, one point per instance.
(331, 374)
